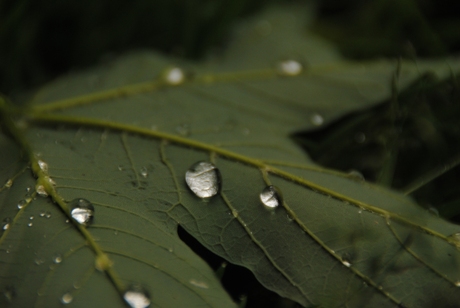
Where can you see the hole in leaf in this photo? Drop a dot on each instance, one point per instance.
(237, 280)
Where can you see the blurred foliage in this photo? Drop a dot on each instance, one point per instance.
(391, 28)
(403, 143)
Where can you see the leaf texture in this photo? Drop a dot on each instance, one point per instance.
(123, 137)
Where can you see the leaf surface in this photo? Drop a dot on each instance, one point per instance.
(123, 137)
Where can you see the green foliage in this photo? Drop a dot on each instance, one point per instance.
(123, 136)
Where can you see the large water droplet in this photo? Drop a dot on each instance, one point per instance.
(271, 197)
(290, 68)
(137, 297)
(203, 178)
(82, 211)
(174, 76)
(66, 298)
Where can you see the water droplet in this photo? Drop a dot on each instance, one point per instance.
(136, 297)
(454, 239)
(6, 224)
(43, 166)
(355, 175)
(317, 119)
(9, 293)
(30, 224)
(66, 298)
(120, 168)
(271, 197)
(22, 203)
(183, 129)
(9, 183)
(198, 284)
(360, 137)
(234, 213)
(39, 261)
(290, 68)
(103, 263)
(82, 211)
(40, 189)
(434, 211)
(48, 215)
(144, 172)
(174, 76)
(57, 258)
(457, 283)
(42, 214)
(346, 262)
(31, 217)
(28, 189)
(203, 178)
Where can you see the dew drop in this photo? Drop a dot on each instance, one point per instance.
(82, 211)
(290, 68)
(355, 175)
(203, 179)
(40, 189)
(144, 172)
(457, 283)
(360, 137)
(57, 258)
(21, 204)
(9, 183)
(317, 119)
(198, 284)
(30, 224)
(6, 224)
(136, 297)
(42, 214)
(47, 214)
(183, 129)
(43, 166)
(434, 211)
(174, 76)
(271, 197)
(31, 217)
(67, 298)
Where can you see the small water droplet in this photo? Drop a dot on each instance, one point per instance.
(82, 211)
(40, 189)
(39, 261)
(183, 129)
(120, 168)
(271, 197)
(42, 214)
(21, 204)
(144, 172)
(346, 262)
(290, 68)
(234, 213)
(9, 293)
(203, 178)
(30, 224)
(360, 137)
(355, 175)
(66, 298)
(360, 211)
(454, 239)
(31, 217)
(317, 119)
(457, 283)
(434, 211)
(198, 284)
(28, 189)
(6, 224)
(9, 183)
(43, 166)
(57, 258)
(48, 215)
(174, 76)
(137, 297)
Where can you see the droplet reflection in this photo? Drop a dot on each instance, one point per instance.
(136, 297)
(82, 211)
(271, 197)
(203, 179)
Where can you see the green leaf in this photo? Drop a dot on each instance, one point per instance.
(123, 136)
